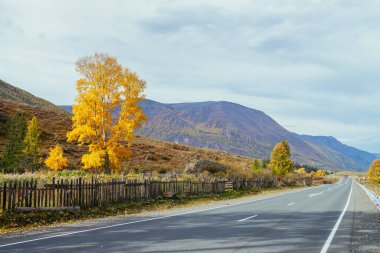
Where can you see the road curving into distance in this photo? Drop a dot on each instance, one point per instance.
(317, 219)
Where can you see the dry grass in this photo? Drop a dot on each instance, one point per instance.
(374, 187)
(147, 154)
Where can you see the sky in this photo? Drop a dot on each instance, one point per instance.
(312, 65)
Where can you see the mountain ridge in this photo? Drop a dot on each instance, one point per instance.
(241, 130)
(224, 126)
(15, 94)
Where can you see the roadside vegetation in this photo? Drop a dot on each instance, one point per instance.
(20, 221)
(372, 178)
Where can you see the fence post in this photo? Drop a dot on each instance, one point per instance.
(53, 191)
(5, 196)
(35, 193)
(80, 191)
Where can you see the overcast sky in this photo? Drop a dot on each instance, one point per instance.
(313, 66)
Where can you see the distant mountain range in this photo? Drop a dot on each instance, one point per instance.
(244, 131)
(225, 126)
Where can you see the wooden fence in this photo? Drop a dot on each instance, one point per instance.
(63, 194)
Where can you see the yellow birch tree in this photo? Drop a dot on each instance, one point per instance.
(31, 150)
(106, 111)
(320, 173)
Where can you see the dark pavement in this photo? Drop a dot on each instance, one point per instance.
(299, 221)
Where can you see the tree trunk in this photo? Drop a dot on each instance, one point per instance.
(107, 164)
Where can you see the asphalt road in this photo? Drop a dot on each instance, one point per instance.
(317, 219)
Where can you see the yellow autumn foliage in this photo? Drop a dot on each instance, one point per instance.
(32, 145)
(56, 160)
(320, 173)
(374, 172)
(301, 171)
(106, 111)
(280, 161)
(93, 160)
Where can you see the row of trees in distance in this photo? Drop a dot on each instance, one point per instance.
(22, 150)
(281, 163)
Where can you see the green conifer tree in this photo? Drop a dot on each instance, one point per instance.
(264, 163)
(256, 165)
(15, 144)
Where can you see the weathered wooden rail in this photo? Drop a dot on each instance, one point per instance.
(67, 195)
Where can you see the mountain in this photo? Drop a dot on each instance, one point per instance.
(341, 153)
(220, 125)
(244, 131)
(12, 93)
(147, 153)
(54, 123)
(67, 108)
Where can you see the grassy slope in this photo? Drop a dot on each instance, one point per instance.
(9, 92)
(146, 153)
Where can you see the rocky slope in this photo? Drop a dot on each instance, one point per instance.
(241, 130)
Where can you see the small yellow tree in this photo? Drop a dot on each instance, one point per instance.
(301, 171)
(374, 172)
(320, 173)
(106, 111)
(56, 160)
(32, 146)
(280, 161)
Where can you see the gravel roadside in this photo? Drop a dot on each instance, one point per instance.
(366, 225)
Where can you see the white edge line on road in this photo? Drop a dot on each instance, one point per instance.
(253, 216)
(332, 234)
(150, 219)
(290, 204)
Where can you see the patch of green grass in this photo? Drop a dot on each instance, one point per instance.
(21, 221)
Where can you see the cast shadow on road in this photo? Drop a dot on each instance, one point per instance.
(281, 231)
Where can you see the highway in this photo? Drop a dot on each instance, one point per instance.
(317, 219)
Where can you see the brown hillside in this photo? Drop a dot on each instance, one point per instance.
(146, 153)
(12, 93)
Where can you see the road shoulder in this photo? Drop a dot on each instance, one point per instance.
(366, 225)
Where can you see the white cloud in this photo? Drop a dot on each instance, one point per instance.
(311, 65)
